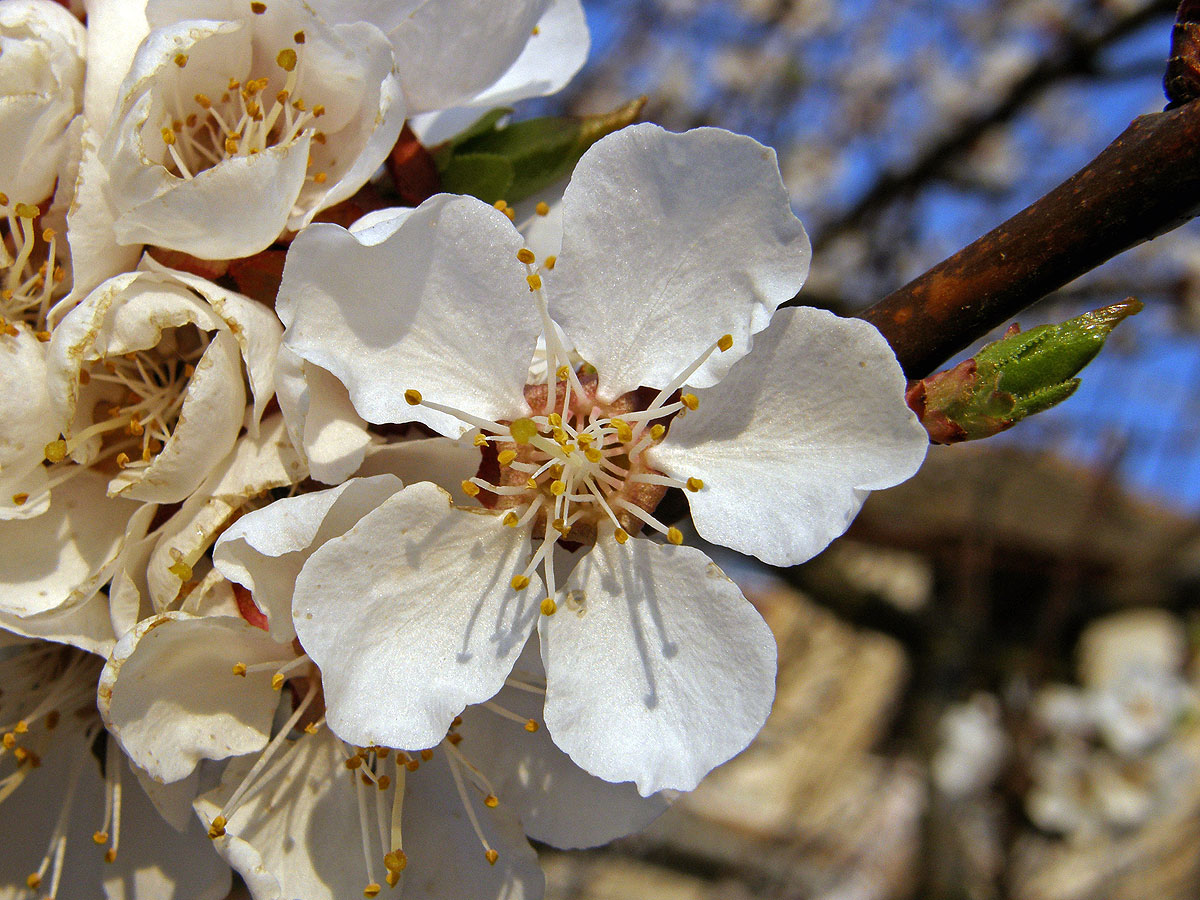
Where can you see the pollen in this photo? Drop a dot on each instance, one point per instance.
(694, 484)
(657, 431)
(412, 397)
(624, 431)
(674, 535)
(372, 889)
(558, 488)
(501, 205)
(511, 519)
(299, 37)
(277, 681)
(520, 582)
(217, 827)
(168, 136)
(19, 499)
(526, 256)
(258, 8)
(470, 488)
(100, 837)
(480, 441)
(549, 607)
(542, 209)
(34, 881)
(691, 401)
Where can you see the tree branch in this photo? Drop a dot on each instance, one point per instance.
(1143, 184)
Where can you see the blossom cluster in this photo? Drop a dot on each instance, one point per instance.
(333, 555)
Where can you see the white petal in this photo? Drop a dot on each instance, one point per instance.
(114, 30)
(440, 306)
(27, 423)
(445, 858)
(410, 616)
(265, 549)
(307, 844)
(791, 440)
(85, 625)
(669, 242)
(169, 695)
(666, 671)
(442, 461)
(557, 802)
(320, 418)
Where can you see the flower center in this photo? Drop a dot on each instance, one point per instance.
(29, 274)
(242, 119)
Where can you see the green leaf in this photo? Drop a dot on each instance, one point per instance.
(487, 176)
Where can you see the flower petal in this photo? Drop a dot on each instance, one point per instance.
(662, 673)
(266, 549)
(410, 616)
(669, 242)
(149, 699)
(791, 441)
(535, 777)
(440, 306)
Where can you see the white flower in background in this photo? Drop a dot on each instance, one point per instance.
(240, 120)
(972, 747)
(41, 91)
(79, 825)
(677, 249)
(148, 373)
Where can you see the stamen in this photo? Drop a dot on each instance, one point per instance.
(490, 854)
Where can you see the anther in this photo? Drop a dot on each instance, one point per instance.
(480, 441)
(412, 397)
(298, 37)
(506, 457)
(216, 828)
(548, 262)
(34, 881)
(110, 855)
(522, 430)
(491, 801)
(526, 256)
(562, 372)
(181, 59)
(427, 754)
(239, 669)
(491, 856)
(520, 582)
(531, 726)
(392, 878)
(535, 281)
(624, 430)
(549, 607)
(558, 488)
(725, 342)
(20, 499)
(511, 519)
(501, 205)
(470, 488)
(168, 136)
(454, 738)
(258, 8)
(395, 860)
(694, 484)
(691, 401)
(286, 59)
(122, 460)
(26, 211)
(674, 535)
(542, 209)
(277, 681)
(100, 837)
(372, 889)
(657, 431)
(354, 762)
(621, 535)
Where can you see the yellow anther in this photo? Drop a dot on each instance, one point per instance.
(286, 59)
(585, 439)
(135, 425)
(674, 535)
(510, 519)
(531, 483)
(26, 211)
(535, 281)
(110, 855)
(621, 535)
(593, 455)
(277, 681)
(691, 401)
(412, 765)
(558, 487)
(505, 457)
(231, 145)
(491, 856)
(20, 499)
(21, 754)
(258, 8)
(298, 37)
(22, 727)
(311, 728)
(392, 878)
(511, 213)
(48, 234)
(542, 209)
(555, 420)
(480, 441)
(216, 828)
(501, 205)
(354, 762)
(562, 372)
(180, 570)
(100, 837)
(470, 488)
(168, 136)
(34, 881)
(560, 437)
(523, 430)
(320, 178)
(9, 740)
(454, 738)
(623, 429)
(427, 753)
(372, 889)
(203, 101)
(531, 726)
(385, 782)
(395, 860)
(548, 262)
(318, 110)
(122, 460)
(412, 397)
(181, 59)
(520, 582)
(491, 801)
(239, 669)
(3, 199)
(549, 607)
(725, 342)
(694, 484)
(561, 527)
(526, 256)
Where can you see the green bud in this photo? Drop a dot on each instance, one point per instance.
(494, 162)
(1021, 374)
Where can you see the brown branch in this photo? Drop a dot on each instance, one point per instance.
(1143, 184)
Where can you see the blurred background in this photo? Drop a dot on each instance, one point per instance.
(987, 689)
